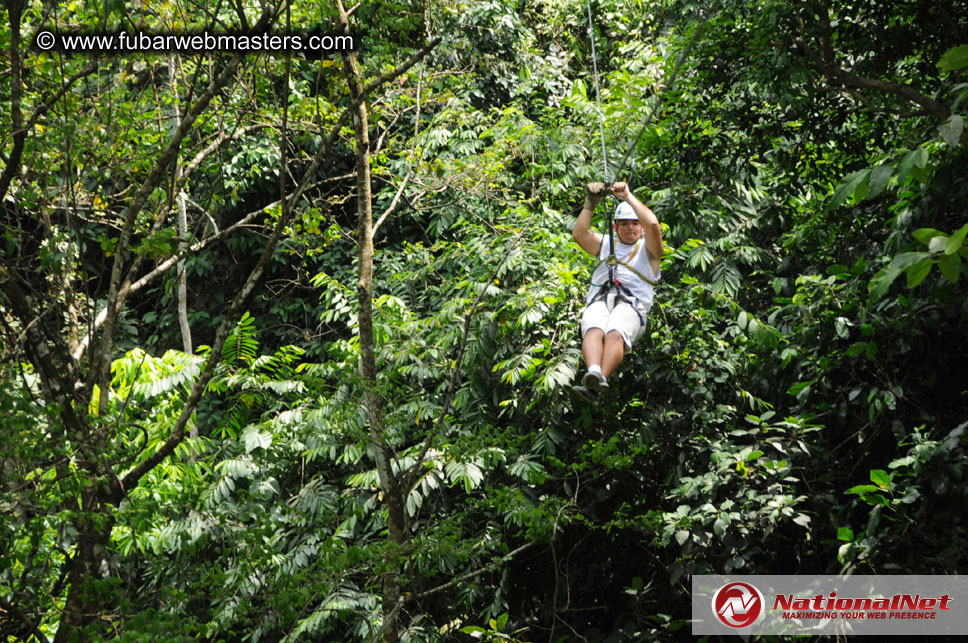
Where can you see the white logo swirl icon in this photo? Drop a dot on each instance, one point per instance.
(46, 40)
(738, 604)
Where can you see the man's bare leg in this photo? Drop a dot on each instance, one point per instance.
(593, 346)
(613, 350)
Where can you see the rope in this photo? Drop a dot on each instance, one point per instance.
(664, 83)
(598, 98)
(601, 131)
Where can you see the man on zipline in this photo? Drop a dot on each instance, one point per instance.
(622, 286)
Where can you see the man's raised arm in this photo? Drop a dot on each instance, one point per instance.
(650, 223)
(590, 241)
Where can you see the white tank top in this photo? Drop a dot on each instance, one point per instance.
(636, 256)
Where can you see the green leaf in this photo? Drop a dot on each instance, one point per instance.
(918, 272)
(253, 439)
(881, 282)
(937, 245)
(913, 159)
(719, 527)
(857, 349)
(871, 350)
(951, 130)
(881, 478)
(925, 235)
(861, 192)
(766, 337)
(956, 241)
(954, 58)
(838, 269)
(847, 187)
(949, 267)
(878, 179)
(864, 488)
(800, 390)
(921, 174)
(841, 327)
(578, 89)
(845, 533)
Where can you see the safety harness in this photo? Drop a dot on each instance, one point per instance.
(613, 260)
(621, 292)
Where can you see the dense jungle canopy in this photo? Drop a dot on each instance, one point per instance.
(288, 337)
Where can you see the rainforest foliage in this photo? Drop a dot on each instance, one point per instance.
(287, 337)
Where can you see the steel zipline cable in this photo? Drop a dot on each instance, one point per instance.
(663, 85)
(598, 97)
(666, 82)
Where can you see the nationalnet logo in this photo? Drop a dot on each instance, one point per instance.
(738, 604)
(896, 607)
(793, 605)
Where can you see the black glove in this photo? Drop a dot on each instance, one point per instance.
(594, 194)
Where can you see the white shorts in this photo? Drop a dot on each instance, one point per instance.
(605, 314)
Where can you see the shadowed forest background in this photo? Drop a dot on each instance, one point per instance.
(287, 339)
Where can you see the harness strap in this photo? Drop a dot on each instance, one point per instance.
(612, 259)
(611, 247)
(622, 294)
(638, 274)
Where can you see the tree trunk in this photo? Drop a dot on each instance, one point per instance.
(180, 198)
(389, 483)
(19, 133)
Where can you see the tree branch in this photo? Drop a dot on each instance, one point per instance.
(131, 478)
(406, 179)
(101, 373)
(34, 628)
(406, 598)
(842, 80)
(460, 579)
(207, 151)
(14, 13)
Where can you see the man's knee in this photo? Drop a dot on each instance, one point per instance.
(615, 338)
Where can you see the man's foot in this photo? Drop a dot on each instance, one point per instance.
(586, 393)
(594, 381)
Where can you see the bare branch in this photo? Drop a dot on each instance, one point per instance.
(448, 585)
(207, 151)
(847, 79)
(34, 628)
(460, 579)
(394, 202)
(406, 179)
(102, 374)
(130, 287)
